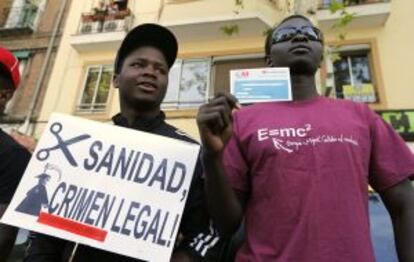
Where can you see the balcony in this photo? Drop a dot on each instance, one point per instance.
(18, 20)
(251, 25)
(200, 21)
(102, 30)
(368, 13)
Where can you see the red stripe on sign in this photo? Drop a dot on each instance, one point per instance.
(72, 226)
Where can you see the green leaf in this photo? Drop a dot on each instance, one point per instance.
(267, 31)
(335, 56)
(344, 20)
(335, 6)
(239, 3)
(230, 30)
(333, 53)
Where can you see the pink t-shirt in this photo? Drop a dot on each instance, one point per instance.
(306, 167)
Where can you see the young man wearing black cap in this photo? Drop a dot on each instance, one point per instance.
(298, 172)
(13, 157)
(141, 75)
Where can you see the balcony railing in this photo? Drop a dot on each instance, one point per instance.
(18, 19)
(102, 28)
(325, 4)
(102, 22)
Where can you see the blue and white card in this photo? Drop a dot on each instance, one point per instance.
(261, 84)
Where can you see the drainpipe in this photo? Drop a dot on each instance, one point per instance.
(25, 127)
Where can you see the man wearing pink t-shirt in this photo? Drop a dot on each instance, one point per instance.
(298, 172)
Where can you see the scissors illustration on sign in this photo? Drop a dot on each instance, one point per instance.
(55, 129)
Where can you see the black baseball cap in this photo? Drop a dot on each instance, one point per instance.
(148, 35)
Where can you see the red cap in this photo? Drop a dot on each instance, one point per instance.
(12, 65)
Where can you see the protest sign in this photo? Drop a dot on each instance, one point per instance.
(105, 186)
(261, 85)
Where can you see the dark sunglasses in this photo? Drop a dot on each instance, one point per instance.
(287, 33)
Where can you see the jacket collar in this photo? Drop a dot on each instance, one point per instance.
(140, 123)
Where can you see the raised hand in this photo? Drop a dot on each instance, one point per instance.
(214, 122)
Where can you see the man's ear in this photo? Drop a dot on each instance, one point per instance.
(115, 80)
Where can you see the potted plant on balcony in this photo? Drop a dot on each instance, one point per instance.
(87, 17)
(100, 12)
(123, 13)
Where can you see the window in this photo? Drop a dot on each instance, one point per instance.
(352, 74)
(223, 65)
(122, 4)
(188, 84)
(23, 57)
(24, 13)
(94, 97)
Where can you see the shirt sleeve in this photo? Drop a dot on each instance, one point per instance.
(13, 163)
(235, 163)
(200, 239)
(391, 160)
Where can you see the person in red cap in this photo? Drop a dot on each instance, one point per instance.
(10, 77)
(9, 83)
(13, 156)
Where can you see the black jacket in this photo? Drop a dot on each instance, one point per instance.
(13, 161)
(198, 236)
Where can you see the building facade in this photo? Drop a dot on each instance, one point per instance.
(371, 64)
(374, 60)
(27, 29)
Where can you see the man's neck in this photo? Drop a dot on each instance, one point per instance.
(303, 87)
(131, 114)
